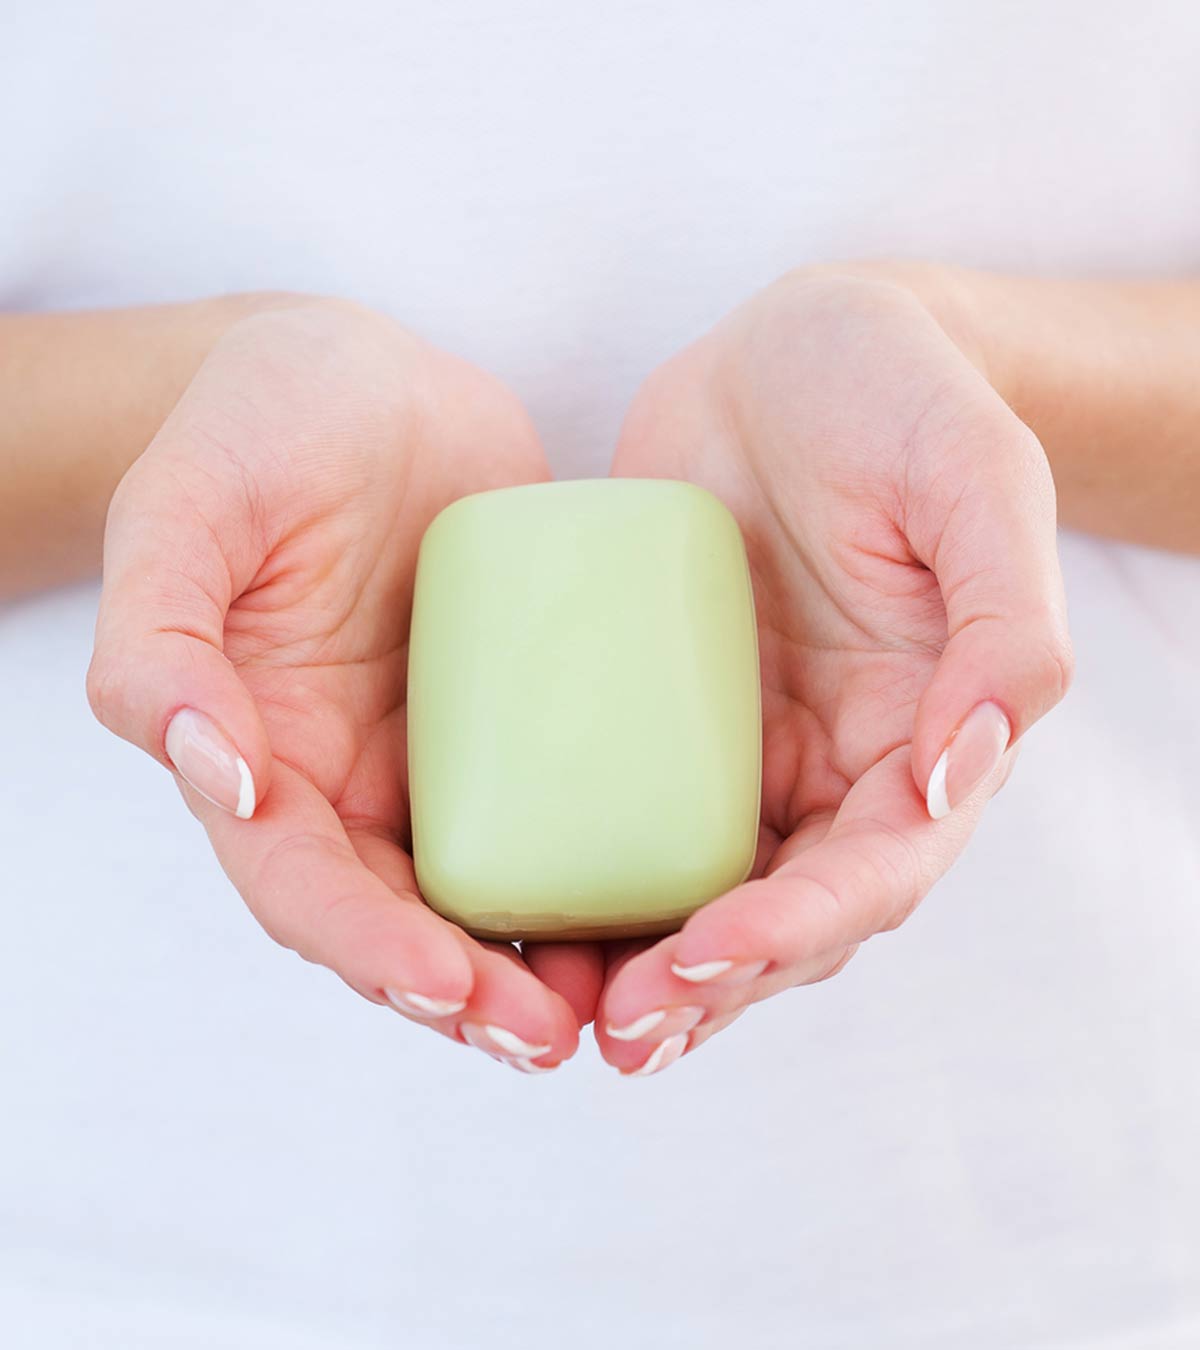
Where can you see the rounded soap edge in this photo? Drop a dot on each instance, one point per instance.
(413, 688)
(758, 703)
(730, 521)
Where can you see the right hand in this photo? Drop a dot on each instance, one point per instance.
(252, 637)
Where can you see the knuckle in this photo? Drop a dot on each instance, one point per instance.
(268, 897)
(897, 877)
(105, 690)
(900, 912)
(1054, 662)
(838, 964)
(1061, 664)
(313, 932)
(826, 903)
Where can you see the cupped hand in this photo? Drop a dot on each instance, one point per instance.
(900, 526)
(258, 578)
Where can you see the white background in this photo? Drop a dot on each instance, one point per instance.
(983, 1133)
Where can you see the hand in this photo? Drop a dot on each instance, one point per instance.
(900, 525)
(258, 578)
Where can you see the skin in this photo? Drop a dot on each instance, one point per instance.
(84, 395)
(873, 471)
(872, 426)
(1105, 373)
(259, 565)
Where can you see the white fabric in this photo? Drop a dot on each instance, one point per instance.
(983, 1133)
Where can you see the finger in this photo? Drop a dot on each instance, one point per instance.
(647, 1013)
(864, 875)
(655, 1056)
(304, 882)
(515, 1018)
(573, 969)
(509, 1013)
(1007, 659)
(682, 1018)
(878, 859)
(179, 548)
(707, 1030)
(627, 1029)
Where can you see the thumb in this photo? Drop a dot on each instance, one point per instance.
(179, 548)
(1007, 660)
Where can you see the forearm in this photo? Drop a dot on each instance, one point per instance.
(82, 395)
(1107, 374)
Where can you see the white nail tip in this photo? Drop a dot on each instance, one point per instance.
(636, 1030)
(528, 1066)
(473, 1035)
(664, 1054)
(936, 801)
(246, 799)
(424, 1005)
(511, 1044)
(706, 970)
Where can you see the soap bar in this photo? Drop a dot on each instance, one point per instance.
(584, 724)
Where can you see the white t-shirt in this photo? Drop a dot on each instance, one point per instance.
(984, 1132)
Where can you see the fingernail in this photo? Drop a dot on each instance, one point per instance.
(206, 759)
(420, 1005)
(499, 1041)
(666, 1021)
(971, 754)
(664, 1054)
(720, 972)
(524, 1065)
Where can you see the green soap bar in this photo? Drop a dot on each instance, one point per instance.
(584, 725)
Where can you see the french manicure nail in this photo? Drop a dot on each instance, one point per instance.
(971, 754)
(206, 759)
(720, 972)
(666, 1021)
(473, 1036)
(421, 1005)
(484, 1037)
(500, 1041)
(664, 1054)
(528, 1066)
(635, 1030)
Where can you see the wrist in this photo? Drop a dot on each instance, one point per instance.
(85, 393)
(1101, 370)
(955, 297)
(163, 347)
(185, 334)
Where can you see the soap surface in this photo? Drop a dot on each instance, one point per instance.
(584, 726)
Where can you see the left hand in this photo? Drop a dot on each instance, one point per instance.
(900, 525)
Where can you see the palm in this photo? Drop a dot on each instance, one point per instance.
(841, 682)
(320, 633)
(320, 640)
